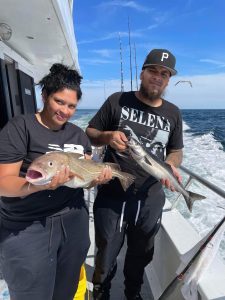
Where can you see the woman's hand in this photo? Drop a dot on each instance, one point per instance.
(104, 177)
(59, 179)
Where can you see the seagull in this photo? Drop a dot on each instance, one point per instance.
(188, 81)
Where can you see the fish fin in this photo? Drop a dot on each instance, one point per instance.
(192, 197)
(147, 160)
(126, 180)
(76, 175)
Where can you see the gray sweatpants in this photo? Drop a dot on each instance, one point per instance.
(43, 261)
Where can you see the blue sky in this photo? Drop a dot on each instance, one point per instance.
(193, 30)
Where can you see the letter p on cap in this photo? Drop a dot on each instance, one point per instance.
(165, 55)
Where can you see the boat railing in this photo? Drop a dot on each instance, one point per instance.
(193, 176)
(178, 238)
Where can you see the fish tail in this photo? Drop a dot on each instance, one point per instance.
(126, 180)
(191, 198)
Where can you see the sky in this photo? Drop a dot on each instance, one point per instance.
(193, 30)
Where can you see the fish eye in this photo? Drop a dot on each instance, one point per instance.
(50, 163)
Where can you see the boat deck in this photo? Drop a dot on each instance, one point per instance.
(117, 283)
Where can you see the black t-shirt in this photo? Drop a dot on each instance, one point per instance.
(24, 139)
(158, 129)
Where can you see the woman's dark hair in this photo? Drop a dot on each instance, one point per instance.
(61, 77)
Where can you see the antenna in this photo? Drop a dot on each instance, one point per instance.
(121, 65)
(131, 84)
(135, 61)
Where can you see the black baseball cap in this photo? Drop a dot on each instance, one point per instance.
(161, 57)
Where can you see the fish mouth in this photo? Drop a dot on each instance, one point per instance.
(36, 177)
(34, 174)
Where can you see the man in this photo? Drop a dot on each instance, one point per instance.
(136, 213)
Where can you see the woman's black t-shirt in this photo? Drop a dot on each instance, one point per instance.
(24, 139)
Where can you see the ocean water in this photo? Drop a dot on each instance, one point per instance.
(204, 154)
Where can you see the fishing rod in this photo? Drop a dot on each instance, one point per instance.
(135, 60)
(121, 65)
(180, 276)
(131, 77)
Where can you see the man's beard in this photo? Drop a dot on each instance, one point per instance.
(150, 95)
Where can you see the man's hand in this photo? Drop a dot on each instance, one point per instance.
(118, 140)
(167, 182)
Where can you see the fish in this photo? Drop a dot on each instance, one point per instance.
(45, 167)
(160, 170)
(202, 255)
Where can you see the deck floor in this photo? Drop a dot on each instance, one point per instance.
(117, 283)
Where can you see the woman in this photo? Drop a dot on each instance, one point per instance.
(44, 235)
